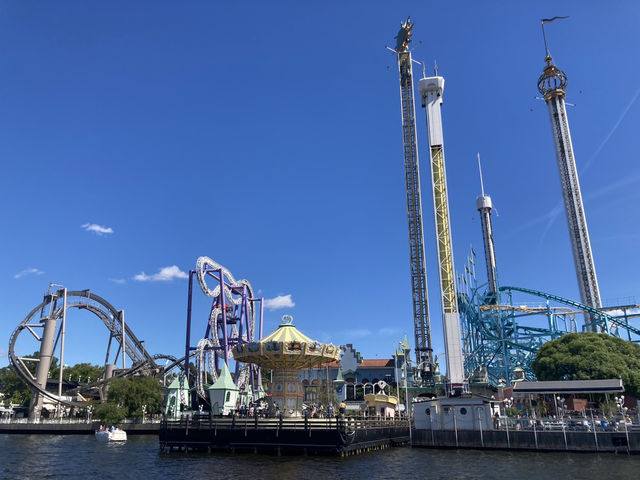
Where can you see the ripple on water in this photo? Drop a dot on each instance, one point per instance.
(81, 457)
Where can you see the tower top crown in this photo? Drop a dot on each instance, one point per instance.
(553, 81)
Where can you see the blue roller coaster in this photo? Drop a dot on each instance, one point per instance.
(504, 333)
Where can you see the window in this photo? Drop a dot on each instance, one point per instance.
(463, 411)
(228, 397)
(428, 411)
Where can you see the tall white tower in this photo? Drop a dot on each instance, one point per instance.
(431, 89)
(551, 85)
(483, 202)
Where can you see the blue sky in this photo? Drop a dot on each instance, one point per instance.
(267, 137)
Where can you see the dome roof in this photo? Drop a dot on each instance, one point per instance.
(287, 347)
(287, 332)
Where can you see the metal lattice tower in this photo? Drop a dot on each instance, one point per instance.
(551, 85)
(422, 327)
(431, 89)
(485, 206)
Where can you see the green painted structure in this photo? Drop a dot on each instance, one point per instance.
(178, 397)
(223, 394)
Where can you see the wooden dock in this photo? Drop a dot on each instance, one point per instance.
(334, 436)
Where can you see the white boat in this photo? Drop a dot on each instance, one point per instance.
(111, 435)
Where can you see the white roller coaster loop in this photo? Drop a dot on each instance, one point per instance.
(205, 356)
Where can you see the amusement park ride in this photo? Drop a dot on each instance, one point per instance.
(46, 325)
(489, 330)
(231, 322)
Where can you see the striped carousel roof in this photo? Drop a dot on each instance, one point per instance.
(286, 332)
(287, 347)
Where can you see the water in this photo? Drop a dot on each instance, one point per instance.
(81, 457)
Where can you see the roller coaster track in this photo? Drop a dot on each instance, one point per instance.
(499, 337)
(596, 314)
(142, 361)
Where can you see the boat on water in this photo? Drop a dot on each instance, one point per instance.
(111, 435)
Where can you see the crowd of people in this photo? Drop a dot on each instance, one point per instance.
(266, 409)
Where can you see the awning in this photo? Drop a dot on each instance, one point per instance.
(571, 386)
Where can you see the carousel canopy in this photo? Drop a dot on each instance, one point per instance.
(286, 348)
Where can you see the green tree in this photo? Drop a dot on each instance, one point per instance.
(14, 389)
(590, 356)
(82, 371)
(110, 413)
(130, 393)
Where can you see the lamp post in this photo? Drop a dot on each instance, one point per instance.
(620, 404)
(406, 385)
(562, 408)
(144, 412)
(89, 412)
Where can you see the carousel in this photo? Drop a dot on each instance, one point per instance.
(284, 352)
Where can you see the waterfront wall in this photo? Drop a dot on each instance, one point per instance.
(555, 441)
(74, 428)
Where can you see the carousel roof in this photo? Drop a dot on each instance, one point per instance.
(287, 347)
(286, 332)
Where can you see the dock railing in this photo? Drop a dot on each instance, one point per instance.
(569, 424)
(348, 423)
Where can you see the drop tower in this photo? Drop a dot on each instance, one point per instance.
(431, 89)
(552, 84)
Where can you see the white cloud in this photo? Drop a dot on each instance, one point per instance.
(28, 271)
(119, 281)
(166, 274)
(97, 229)
(281, 301)
(620, 312)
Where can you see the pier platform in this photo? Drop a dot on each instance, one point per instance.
(332, 436)
(532, 440)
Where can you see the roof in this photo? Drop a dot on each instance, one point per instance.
(287, 347)
(376, 363)
(286, 332)
(570, 386)
(224, 382)
(179, 383)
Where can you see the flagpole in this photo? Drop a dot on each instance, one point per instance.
(542, 22)
(546, 49)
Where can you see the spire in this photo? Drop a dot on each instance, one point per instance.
(480, 168)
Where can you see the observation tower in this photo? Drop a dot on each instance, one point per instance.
(483, 202)
(552, 84)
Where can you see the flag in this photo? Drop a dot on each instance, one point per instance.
(471, 261)
(549, 20)
(473, 252)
